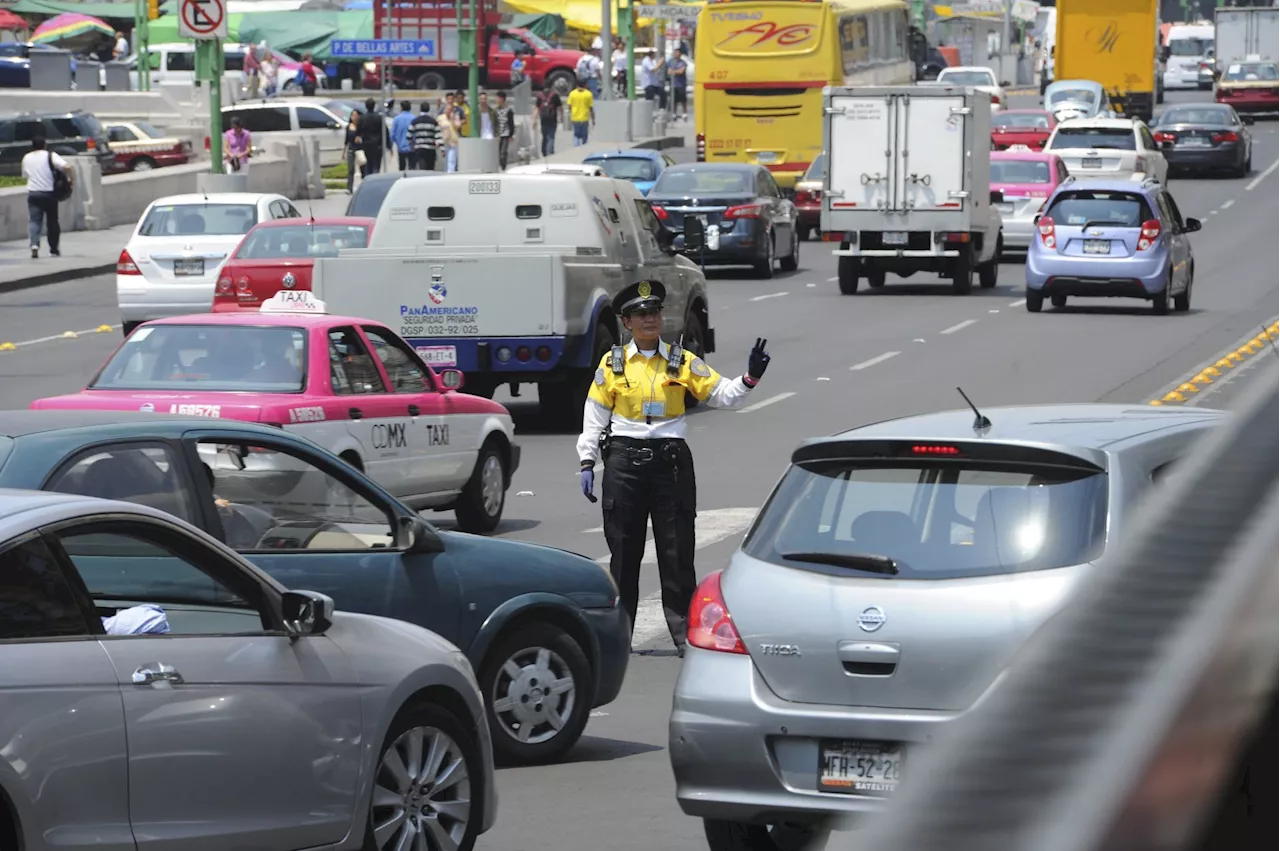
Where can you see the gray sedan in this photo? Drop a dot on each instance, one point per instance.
(892, 574)
(134, 711)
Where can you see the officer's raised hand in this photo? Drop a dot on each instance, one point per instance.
(588, 476)
(758, 361)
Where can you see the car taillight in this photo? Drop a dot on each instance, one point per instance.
(995, 99)
(243, 285)
(125, 264)
(660, 212)
(743, 211)
(224, 285)
(1150, 233)
(933, 449)
(1163, 136)
(805, 196)
(700, 147)
(1045, 226)
(710, 624)
(1226, 136)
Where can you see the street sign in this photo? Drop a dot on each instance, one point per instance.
(385, 48)
(669, 13)
(202, 19)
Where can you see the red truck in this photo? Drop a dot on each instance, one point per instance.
(437, 20)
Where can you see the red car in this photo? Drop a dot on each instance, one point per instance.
(1250, 87)
(280, 254)
(1030, 127)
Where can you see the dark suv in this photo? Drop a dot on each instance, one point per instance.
(67, 133)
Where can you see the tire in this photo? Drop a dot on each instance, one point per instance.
(1182, 301)
(736, 836)
(1160, 304)
(510, 703)
(142, 164)
(791, 262)
(562, 402)
(1243, 170)
(479, 508)
(876, 278)
(806, 234)
(436, 730)
(848, 270)
(1058, 301)
(430, 81)
(989, 273)
(962, 275)
(562, 81)
(764, 267)
(1035, 301)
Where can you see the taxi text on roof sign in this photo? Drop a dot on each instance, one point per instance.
(293, 301)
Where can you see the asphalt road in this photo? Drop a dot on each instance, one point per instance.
(838, 361)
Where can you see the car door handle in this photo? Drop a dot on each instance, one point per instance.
(355, 413)
(414, 410)
(868, 658)
(156, 672)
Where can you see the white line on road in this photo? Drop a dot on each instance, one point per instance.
(1018, 303)
(770, 295)
(810, 285)
(1227, 205)
(875, 360)
(832, 280)
(66, 335)
(766, 403)
(1253, 184)
(959, 326)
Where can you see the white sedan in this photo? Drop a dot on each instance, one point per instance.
(1108, 147)
(977, 77)
(170, 265)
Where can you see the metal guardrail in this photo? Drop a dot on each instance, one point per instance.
(1121, 724)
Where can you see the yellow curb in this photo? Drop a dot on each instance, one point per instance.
(104, 329)
(1174, 396)
(7, 347)
(1188, 387)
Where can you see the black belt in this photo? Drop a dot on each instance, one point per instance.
(646, 449)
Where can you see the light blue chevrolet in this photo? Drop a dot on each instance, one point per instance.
(638, 165)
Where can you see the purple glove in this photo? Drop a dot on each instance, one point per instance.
(588, 483)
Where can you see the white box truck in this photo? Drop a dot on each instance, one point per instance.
(1245, 33)
(907, 184)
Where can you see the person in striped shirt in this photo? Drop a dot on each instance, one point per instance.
(424, 137)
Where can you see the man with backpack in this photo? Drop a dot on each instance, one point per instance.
(549, 107)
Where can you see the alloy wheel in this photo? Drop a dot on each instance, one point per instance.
(422, 793)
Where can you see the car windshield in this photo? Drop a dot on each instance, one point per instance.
(1020, 121)
(199, 220)
(1094, 137)
(966, 78)
(1248, 72)
(1195, 115)
(703, 181)
(627, 168)
(1019, 171)
(261, 359)
(369, 197)
(1086, 96)
(1100, 207)
(536, 40)
(1190, 46)
(299, 241)
(935, 521)
(814, 171)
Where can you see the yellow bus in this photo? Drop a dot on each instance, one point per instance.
(762, 64)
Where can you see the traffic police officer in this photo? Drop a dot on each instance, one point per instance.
(634, 418)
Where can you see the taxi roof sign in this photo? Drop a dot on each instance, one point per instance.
(293, 301)
(1018, 148)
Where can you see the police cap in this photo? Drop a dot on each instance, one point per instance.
(639, 295)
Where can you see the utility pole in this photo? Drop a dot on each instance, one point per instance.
(631, 48)
(387, 81)
(469, 52)
(606, 48)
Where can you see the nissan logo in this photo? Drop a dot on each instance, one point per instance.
(871, 618)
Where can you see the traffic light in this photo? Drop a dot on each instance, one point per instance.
(153, 9)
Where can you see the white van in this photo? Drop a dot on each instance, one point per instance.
(175, 62)
(511, 277)
(1186, 45)
(308, 118)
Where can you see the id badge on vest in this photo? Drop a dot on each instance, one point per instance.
(654, 409)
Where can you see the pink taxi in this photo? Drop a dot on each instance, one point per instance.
(351, 385)
(1027, 178)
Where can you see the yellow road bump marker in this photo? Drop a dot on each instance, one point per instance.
(1174, 396)
(1244, 351)
(7, 347)
(69, 335)
(104, 329)
(1209, 370)
(1188, 387)
(1202, 379)
(1235, 356)
(1225, 363)
(1155, 403)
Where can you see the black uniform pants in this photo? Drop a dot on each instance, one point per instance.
(646, 479)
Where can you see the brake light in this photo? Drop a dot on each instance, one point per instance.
(995, 99)
(744, 211)
(700, 147)
(805, 196)
(224, 285)
(660, 212)
(1045, 226)
(125, 264)
(243, 285)
(934, 449)
(710, 624)
(1226, 136)
(1164, 136)
(1150, 233)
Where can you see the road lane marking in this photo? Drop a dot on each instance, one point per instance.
(1019, 303)
(959, 326)
(65, 335)
(764, 404)
(832, 280)
(810, 285)
(1242, 356)
(1227, 205)
(875, 360)
(1253, 184)
(770, 295)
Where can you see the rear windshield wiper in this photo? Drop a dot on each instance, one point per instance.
(857, 561)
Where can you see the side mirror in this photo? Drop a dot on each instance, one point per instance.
(1165, 53)
(1191, 226)
(1005, 84)
(335, 125)
(306, 613)
(695, 234)
(417, 536)
(451, 379)
(997, 197)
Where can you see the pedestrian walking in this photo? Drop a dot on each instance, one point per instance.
(424, 133)
(351, 151)
(649, 78)
(373, 138)
(678, 73)
(400, 135)
(506, 129)
(634, 420)
(581, 111)
(488, 118)
(448, 140)
(308, 76)
(237, 147)
(517, 69)
(550, 108)
(252, 71)
(49, 181)
(585, 71)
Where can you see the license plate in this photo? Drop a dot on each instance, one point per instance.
(189, 267)
(1091, 162)
(439, 355)
(1195, 142)
(859, 767)
(1097, 246)
(1005, 209)
(895, 237)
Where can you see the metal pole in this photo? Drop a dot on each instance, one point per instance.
(212, 48)
(386, 86)
(137, 28)
(473, 72)
(660, 38)
(144, 55)
(606, 47)
(631, 51)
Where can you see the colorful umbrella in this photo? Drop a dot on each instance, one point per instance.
(71, 29)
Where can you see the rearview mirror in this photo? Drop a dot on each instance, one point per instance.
(1191, 226)
(417, 536)
(997, 197)
(695, 234)
(451, 379)
(306, 613)
(234, 455)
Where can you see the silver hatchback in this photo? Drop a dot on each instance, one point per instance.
(889, 579)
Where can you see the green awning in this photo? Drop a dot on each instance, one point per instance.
(548, 26)
(106, 11)
(302, 31)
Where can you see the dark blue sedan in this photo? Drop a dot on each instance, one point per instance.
(541, 626)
